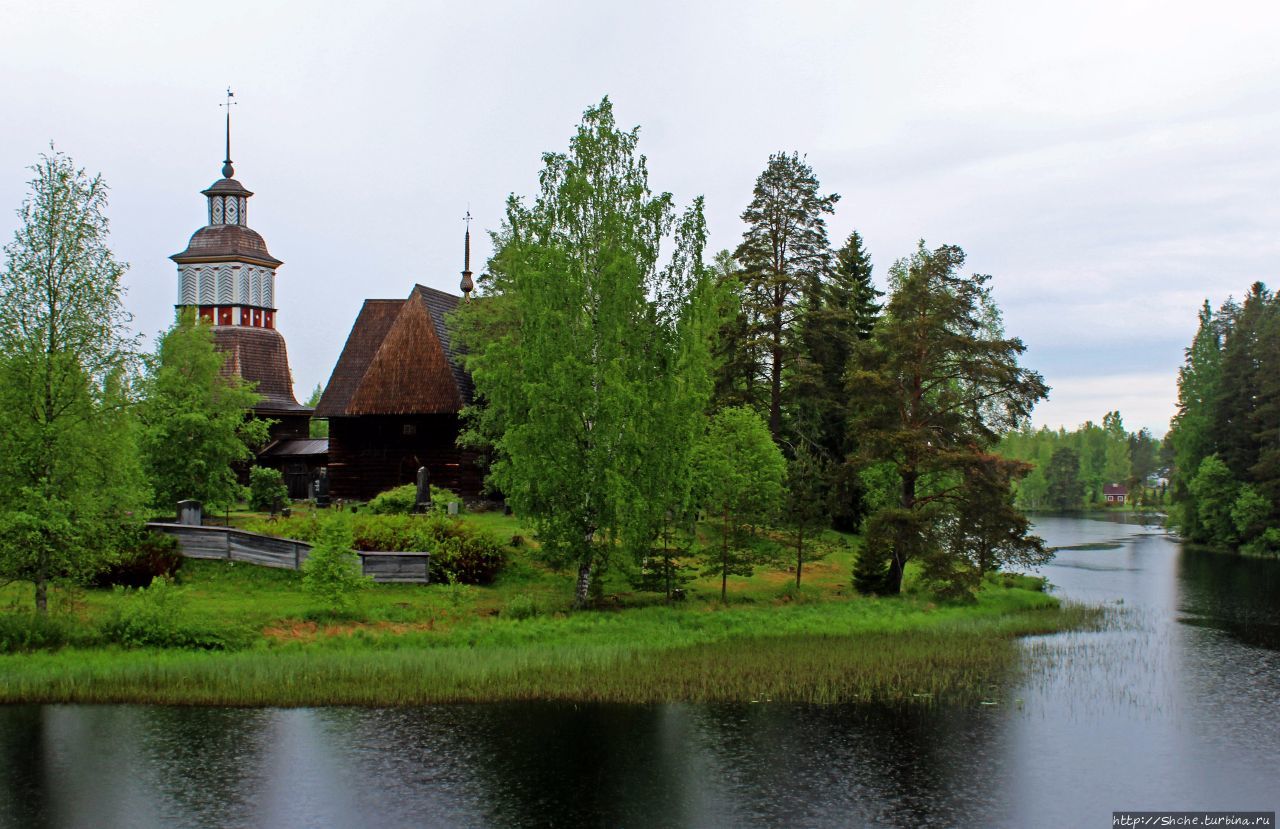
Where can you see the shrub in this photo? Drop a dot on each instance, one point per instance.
(441, 498)
(331, 572)
(154, 556)
(461, 553)
(266, 488)
(24, 631)
(151, 617)
(520, 606)
(398, 501)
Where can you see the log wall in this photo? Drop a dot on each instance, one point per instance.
(373, 453)
(287, 553)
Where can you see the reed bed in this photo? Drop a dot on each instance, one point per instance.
(952, 660)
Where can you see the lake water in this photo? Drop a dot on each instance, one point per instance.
(1176, 705)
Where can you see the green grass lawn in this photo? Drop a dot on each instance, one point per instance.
(517, 639)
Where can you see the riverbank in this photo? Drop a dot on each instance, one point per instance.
(901, 650)
(236, 634)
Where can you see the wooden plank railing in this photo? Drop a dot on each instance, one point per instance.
(232, 544)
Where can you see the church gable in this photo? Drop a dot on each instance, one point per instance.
(410, 373)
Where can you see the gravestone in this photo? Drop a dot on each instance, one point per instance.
(190, 513)
(322, 489)
(422, 501)
(453, 507)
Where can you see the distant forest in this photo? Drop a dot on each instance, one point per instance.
(1225, 438)
(1070, 468)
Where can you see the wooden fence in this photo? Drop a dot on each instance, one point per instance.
(287, 553)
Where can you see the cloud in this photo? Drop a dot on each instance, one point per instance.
(1143, 399)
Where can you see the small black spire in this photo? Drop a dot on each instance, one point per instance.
(227, 170)
(467, 284)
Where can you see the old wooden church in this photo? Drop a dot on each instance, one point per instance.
(394, 397)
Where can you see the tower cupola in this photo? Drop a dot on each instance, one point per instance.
(228, 277)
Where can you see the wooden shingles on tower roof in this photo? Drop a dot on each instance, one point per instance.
(399, 360)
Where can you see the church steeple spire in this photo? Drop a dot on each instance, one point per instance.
(227, 170)
(467, 284)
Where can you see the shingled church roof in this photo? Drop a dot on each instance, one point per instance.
(399, 359)
(259, 356)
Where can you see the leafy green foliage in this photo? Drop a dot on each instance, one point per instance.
(1215, 491)
(591, 358)
(331, 574)
(195, 419)
(153, 617)
(70, 483)
(27, 631)
(1062, 476)
(401, 500)
(319, 426)
(807, 508)
(739, 482)
(266, 488)
(396, 501)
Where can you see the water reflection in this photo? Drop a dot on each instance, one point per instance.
(1151, 712)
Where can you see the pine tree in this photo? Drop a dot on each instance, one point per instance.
(784, 256)
(936, 385)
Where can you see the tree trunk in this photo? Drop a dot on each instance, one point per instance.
(42, 587)
(898, 564)
(584, 584)
(775, 382)
(724, 559)
(799, 556)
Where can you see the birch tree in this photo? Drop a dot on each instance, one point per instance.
(69, 473)
(590, 354)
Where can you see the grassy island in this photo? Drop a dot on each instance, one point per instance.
(517, 639)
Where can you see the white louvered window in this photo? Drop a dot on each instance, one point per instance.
(215, 208)
(206, 286)
(233, 212)
(256, 295)
(244, 210)
(242, 284)
(226, 293)
(186, 287)
(268, 289)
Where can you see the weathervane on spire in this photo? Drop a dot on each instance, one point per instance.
(467, 284)
(227, 170)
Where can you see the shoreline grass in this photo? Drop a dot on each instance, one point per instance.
(824, 654)
(516, 640)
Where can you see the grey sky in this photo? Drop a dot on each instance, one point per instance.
(1110, 164)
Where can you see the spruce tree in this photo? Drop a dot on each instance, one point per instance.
(841, 313)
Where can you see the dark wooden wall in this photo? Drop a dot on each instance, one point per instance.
(372, 453)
